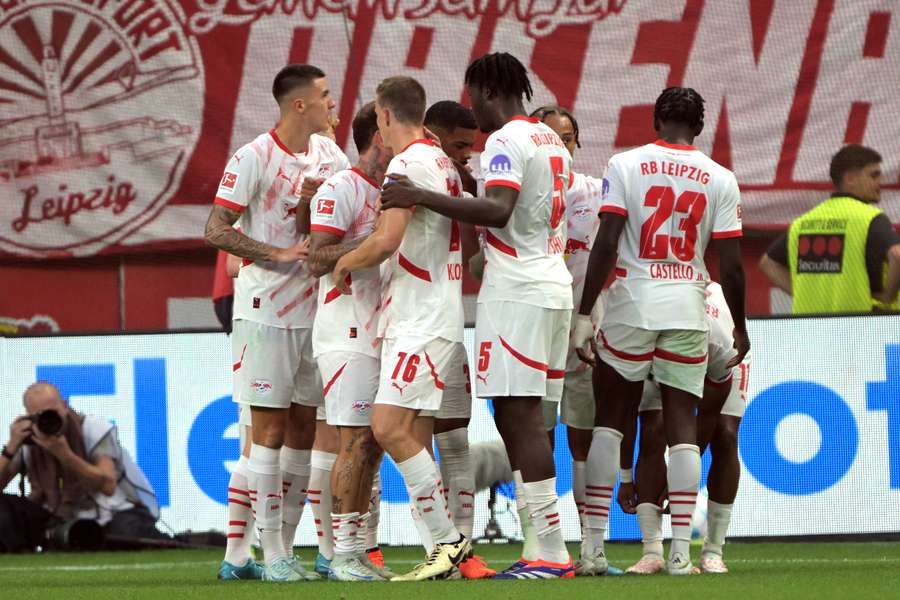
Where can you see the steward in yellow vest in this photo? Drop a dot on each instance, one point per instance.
(843, 256)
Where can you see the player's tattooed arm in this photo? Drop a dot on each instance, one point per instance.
(731, 272)
(220, 233)
(493, 210)
(325, 250)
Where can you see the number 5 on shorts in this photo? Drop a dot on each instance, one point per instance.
(484, 356)
(411, 365)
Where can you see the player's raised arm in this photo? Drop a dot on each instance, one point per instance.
(492, 210)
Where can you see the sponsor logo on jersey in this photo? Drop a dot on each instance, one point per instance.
(261, 387)
(604, 190)
(820, 253)
(229, 180)
(500, 164)
(325, 207)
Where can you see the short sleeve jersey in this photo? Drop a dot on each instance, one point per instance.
(524, 260)
(262, 182)
(675, 198)
(583, 220)
(346, 206)
(424, 293)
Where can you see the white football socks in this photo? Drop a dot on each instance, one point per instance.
(266, 473)
(718, 517)
(345, 528)
(649, 518)
(425, 491)
(530, 549)
(319, 493)
(458, 477)
(295, 471)
(240, 516)
(683, 476)
(601, 476)
(543, 509)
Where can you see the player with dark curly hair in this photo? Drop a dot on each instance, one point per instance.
(662, 203)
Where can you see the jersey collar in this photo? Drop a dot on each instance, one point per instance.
(526, 119)
(281, 145)
(418, 141)
(666, 144)
(365, 177)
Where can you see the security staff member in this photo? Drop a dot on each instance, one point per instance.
(843, 256)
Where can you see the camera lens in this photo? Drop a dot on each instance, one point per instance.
(49, 422)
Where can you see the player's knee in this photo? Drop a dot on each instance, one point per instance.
(386, 433)
(269, 434)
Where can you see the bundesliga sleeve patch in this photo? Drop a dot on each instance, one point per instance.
(325, 208)
(500, 164)
(229, 180)
(820, 253)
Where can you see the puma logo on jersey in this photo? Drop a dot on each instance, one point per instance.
(282, 175)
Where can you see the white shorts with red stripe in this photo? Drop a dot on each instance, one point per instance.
(457, 400)
(413, 372)
(735, 403)
(273, 366)
(350, 383)
(676, 356)
(520, 350)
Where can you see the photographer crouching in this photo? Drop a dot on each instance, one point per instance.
(86, 492)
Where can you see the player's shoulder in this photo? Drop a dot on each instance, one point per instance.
(632, 156)
(325, 144)
(341, 182)
(253, 151)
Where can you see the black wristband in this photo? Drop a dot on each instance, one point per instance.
(6, 453)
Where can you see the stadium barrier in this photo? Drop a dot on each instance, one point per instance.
(819, 445)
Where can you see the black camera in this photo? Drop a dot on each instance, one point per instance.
(48, 422)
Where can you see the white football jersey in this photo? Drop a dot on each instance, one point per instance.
(262, 181)
(424, 292)
(524, 260)
(582, 221)
(675, 198)
(345, 206)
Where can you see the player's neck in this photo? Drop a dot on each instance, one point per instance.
(295, 136)
(509, 108)
(405, 135)
(676, 136)
(372, 164)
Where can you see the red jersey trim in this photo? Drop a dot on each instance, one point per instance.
(528, 362)
(555, 374)
(418, 141)
(625, 355)
(500, 245)
(413, 269)
(334, 378)
(524, 118)
(365, 178)
(504, 183)
(612, 208)
(724, 235)
(720, 384)
(229, 204)
(672, 357)
(281, 145)
(666, 144)
(620, 272)
(246, 262)
(327, 229)
(434, 375)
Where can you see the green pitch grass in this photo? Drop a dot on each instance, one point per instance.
(826, 570)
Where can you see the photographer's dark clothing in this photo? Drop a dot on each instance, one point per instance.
(24, 526)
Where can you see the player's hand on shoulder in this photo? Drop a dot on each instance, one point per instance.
(398, 192)
(297, 252)
(742, 345)
(583, 339)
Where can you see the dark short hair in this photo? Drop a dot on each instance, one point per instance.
(502, 74)
(365, 124)
(405, 97)
(851, 158)
(545, 111)
(449, 114)
(680, 105)
(293, 76)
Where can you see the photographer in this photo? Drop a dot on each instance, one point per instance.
(84, 486)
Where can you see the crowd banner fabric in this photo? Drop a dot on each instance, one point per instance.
(815, 432)
(118, 116)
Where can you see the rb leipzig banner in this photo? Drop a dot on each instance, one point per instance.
(117, 116)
